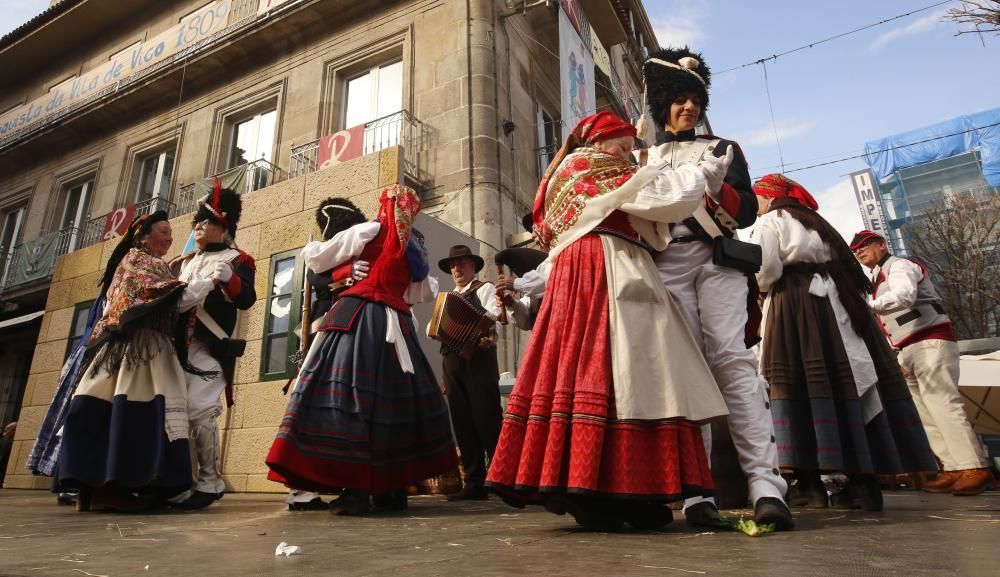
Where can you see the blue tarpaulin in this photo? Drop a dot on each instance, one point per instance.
(962, 134)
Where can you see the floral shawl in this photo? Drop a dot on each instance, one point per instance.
(143, 294)
(584, 174)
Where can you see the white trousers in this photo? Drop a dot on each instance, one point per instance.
(713, 301)
(931, 369)
(204, 408)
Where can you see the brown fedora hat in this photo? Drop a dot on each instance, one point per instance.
(458, 251)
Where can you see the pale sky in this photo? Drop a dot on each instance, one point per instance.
(831, 99)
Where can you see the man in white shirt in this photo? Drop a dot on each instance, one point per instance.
(914, 320)
(473, 386)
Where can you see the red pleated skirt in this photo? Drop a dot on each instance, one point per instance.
(560, 431)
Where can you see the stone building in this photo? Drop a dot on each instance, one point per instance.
(114, 109)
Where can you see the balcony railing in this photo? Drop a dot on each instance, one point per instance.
(35, 259)
(399, 128)
(93, 229)
(241, 179)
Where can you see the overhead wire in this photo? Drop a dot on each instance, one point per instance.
(831, 38)
(891, 148)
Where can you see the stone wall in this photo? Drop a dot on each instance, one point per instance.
(275, 219)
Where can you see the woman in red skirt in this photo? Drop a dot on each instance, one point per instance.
(603, 421)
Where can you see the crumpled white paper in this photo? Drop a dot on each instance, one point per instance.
(286, 550)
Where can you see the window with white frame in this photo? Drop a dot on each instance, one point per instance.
(10, 235)
(375, 95)
(548, 138)
(75, 205)
(252, 138)
(155, 171)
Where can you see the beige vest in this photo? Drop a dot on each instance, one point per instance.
(927, 311)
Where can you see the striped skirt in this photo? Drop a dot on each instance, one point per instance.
(356, 420)
(818, 419)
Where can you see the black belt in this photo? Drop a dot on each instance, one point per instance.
(636, 240)
(689, 238)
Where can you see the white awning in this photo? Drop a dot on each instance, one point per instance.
(21, 319)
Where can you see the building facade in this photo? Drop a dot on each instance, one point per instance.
(115, 109)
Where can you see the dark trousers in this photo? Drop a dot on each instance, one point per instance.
(474, 402)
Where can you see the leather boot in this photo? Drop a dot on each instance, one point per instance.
(941, 484)
(972, 482)
(352, 502)
(811, 491)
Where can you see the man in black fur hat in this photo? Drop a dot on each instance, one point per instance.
(713, 297)
(212, 349)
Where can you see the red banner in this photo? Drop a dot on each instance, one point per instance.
(341, 147)
(117, 222)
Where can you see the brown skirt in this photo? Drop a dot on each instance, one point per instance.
(818, 421)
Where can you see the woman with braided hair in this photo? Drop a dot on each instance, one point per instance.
(125, 441)
(839, 400)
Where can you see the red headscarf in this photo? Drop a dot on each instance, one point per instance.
(780, 186)
(594, 128)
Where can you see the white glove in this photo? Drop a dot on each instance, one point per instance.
(223, 271)
(715, 170)
(359, 270)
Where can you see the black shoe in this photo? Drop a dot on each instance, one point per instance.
(317, 504)
(861, 492)
(470, 493)
(592, 514)
(648, 516)
(389, 502)
(705, 515)
(198, 500)
(352, 502)
(808, 492)
(770, 510)
(66, 499)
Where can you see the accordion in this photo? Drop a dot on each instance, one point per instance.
(459, 324)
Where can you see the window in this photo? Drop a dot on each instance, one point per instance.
(76, 201)
(78, 325)
(252, 140)
(10, 235)
(281, 316)
(548, 139)
(374, 95)
(155, 171)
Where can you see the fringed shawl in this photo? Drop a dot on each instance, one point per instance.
(143, 296)
(584, 174)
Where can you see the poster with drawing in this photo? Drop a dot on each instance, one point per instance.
(576, 76)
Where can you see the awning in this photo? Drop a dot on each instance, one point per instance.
(20, 320)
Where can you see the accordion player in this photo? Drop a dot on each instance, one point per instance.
(459, 324)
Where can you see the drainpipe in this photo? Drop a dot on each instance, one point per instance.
(472, 153)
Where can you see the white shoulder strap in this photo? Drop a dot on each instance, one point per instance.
(210, 324)
(701, 215)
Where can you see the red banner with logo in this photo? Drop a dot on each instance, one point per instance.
(341, 147)
(117, 222)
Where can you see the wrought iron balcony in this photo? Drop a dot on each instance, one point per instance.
(35, 259)
(241, 179)
(94, 229)
(399, 128)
